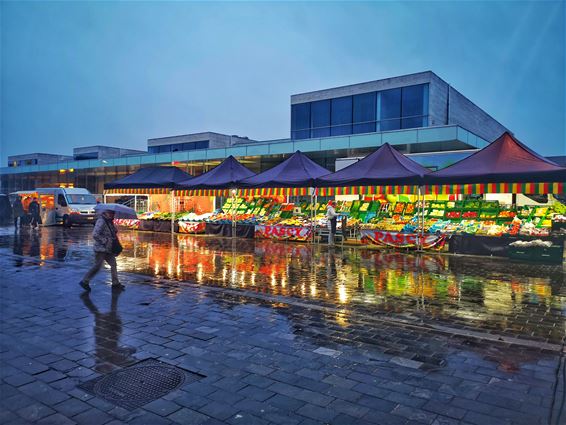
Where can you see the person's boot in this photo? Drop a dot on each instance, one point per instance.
(117, 286)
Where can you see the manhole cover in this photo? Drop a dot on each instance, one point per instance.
(139, 384)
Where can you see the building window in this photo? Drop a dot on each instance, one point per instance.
(413, 106)
(364, 113)
(394, 109)
(300, 121)
(390, 110)
(341, 116)
(320, 118)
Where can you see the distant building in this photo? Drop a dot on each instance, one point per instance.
(35, 159)
(102, 152)
(189, 142)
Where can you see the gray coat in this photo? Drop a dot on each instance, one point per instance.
(103, 235)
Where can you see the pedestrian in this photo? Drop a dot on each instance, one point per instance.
(33, 210)
(106, 248)
(18, 212)
(331, 217)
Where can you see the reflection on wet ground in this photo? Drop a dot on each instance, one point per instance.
(517, 299)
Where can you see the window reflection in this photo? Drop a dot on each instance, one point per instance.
(393, 109)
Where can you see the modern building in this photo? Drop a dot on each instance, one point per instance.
(102, 152)
(35, 159)
(419, 114)
(191, 142)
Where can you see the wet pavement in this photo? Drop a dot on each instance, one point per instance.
(283, 333)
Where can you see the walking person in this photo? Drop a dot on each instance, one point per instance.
(18, 213)
(33, 210)
(106, 248)
(331, 216)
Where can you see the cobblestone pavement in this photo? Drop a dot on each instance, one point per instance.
(270, 352)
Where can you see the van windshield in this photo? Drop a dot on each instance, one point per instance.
(81, 199)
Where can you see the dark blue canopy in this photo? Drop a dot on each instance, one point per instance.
(383, 167)
(296, 171)
(150, 178)
(506, 160)
(224, 176)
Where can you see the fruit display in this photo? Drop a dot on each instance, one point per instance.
(470, 216)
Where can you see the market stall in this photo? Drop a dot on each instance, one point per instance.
(157, 184)
(387, 213)
(490, 219)
(220, 181)
(266, 191)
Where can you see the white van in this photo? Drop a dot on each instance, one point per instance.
(65, 206)
(71, 206)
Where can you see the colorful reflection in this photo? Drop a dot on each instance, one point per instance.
(463, 289)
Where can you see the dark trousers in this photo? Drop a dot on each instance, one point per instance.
(34, 220)
(99, 258)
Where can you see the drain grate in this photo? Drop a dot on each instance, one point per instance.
(136, 385)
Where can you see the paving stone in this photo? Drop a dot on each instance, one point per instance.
(162, 407)
(71, 407)
(34, 412)
(414, 414)
(19, 379)
(188, 416)
(56, 419)
(218, 410)
(317, 413)
(92, 416)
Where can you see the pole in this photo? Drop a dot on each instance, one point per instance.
(172, 212)
(421, 239)
(233, 212)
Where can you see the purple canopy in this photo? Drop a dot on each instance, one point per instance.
(224, 176)
(150, 177)
(296, 171)
(383, 167)
(506, 160)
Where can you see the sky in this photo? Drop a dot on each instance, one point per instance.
(118, 73)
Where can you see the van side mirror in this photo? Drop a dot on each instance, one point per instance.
(61, 200)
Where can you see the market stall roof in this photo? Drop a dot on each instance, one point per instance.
(296, 171)
(385, 166)
(151, 177)
(224, 176)
(506, 160)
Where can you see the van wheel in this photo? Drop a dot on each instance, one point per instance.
(67, 221)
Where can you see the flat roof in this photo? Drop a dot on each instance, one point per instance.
(440, 134)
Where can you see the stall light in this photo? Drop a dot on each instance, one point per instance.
(62, 171)
(71, 170)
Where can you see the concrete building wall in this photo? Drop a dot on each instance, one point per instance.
(103, 152)
(216, 140)
(353, 89)
(42, 158)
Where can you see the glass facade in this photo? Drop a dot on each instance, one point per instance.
(176, 147)
(394, 109)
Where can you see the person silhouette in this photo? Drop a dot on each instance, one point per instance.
(107, 332)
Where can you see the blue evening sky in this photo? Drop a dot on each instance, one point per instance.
(117, 73)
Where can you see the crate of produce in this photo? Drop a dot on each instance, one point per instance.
(472, 204)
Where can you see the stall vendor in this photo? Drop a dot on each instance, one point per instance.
(331, 217)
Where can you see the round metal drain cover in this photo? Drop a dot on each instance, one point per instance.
(136, 384)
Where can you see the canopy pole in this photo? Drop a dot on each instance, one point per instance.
(172, 212)
(233, 213)
(422, 220)
(312, 192)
